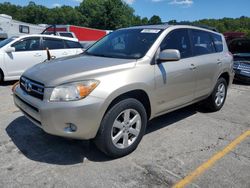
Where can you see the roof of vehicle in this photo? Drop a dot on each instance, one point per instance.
(51, 36)
(165, 26)
(161, 26)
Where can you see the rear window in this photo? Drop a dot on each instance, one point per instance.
(239, 46)
(66, 35)
(53, 43)
(202, 42)
(72, 44)
(217, 42)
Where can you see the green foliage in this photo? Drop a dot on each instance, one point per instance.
(155, 20)
(241, 24)
(106, 14)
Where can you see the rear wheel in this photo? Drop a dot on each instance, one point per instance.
(218, 96)
(122, 128)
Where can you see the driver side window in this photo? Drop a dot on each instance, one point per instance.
(27, 44)
(179, 40)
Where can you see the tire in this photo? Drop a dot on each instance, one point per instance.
(1, 77)
(217, 99)
(122, 128)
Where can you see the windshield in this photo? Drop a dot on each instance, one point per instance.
(125, 44)
(239, 46)
(6, 41)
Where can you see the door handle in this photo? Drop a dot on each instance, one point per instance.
(65, 53)
(219, 62)
(193, 67)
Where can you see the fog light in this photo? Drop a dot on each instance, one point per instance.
(70, 128)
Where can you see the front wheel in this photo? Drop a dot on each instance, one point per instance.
(217, 99)
(122, 128)
(1, 77)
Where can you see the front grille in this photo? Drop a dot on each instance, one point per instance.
(31, 87)
(241, 66)
(244, 66)
(34, 108)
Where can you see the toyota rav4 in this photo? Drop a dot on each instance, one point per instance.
(130, 76)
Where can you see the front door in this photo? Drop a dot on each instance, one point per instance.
(27, 53)
(175, 80)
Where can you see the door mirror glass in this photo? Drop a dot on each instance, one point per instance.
(169, 55)
(10, 49)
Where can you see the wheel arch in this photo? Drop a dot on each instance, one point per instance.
(226, 76)
(138, 94)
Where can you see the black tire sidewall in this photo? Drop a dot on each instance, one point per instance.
(104, 140)
(1, 77)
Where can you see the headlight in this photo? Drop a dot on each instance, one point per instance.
(73, 91)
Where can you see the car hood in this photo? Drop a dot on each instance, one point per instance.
(242, 57)
(75, 68)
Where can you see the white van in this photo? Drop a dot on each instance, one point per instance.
(19, 53)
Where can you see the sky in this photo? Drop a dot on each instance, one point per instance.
(180, 10)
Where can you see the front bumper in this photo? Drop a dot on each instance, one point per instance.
(54, 117)
(242, 76)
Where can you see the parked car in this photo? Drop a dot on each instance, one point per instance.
(125, 79)
(3, 35)
(240, 48)
(233, 35)
(20, 53)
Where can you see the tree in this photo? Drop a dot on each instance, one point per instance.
(107, 14)
(94, 11)
(155, 20)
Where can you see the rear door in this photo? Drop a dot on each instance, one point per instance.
(28, 52)
(73, 47)
(57, 47)
(206, 61)
(175, 80)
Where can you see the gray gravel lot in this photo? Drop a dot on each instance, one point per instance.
(175, 145)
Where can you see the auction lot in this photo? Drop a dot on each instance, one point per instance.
(175, 145)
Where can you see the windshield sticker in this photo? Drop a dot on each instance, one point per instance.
(150, 31)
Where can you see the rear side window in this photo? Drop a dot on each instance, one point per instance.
(202, 43)
(27, 44)
(53, 43)
(72, 44)
(179, 40)
(217, 42)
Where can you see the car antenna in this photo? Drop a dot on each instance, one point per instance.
(48, 54)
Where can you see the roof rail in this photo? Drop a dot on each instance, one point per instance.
(196, 25)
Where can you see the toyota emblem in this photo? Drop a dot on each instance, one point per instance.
(28, 86)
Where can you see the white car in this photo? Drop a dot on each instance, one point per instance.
(20, 53)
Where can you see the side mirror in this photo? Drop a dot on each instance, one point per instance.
(169, 55)
(10, 49)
